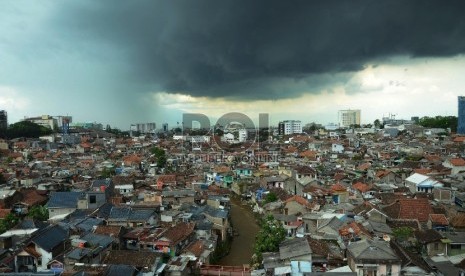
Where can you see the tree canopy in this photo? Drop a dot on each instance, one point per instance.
(269, 237)
(160, 155)
(26, 129)
(38, 212)
(439, 122)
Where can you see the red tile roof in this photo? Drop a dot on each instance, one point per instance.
(439, 219)
(459, 162)
(179, 232)
(300, 200)
(410, 208)
(4, 213)
(338, 188)
(197, 247)
(361, 187)
(459, 139)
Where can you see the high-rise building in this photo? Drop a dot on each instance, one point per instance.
(145, 127)
(289, 127)
(461, 116)
(3, 119)
(165, 127)
(349, 117)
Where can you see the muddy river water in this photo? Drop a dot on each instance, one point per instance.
(246, 227)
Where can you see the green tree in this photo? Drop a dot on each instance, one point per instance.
(268, 238)
(27, 129)
(8, 222)
(160, 155)
(439, 122)
(107, 172)
(38, 212)
(270, 197)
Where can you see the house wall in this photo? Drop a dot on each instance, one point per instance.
(59, 211)
(455, 249)
(294, 208)
(376, 216)
(46, 257)
(310, 226)
(435, 248)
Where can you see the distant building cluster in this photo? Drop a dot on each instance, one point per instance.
(347, 201)
(144, 127)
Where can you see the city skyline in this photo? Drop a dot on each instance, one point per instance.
(152, 61)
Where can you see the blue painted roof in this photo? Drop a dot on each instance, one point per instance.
(64, 199)
(50, 237)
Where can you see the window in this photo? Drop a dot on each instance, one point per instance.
(436, 246)
(92, 199)
(388, 269)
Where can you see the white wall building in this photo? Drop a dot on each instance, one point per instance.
(242, 135)
(290, 127)
(349, 117)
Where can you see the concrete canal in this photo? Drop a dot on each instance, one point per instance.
(246, 228)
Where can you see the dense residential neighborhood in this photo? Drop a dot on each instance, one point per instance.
(348, 201)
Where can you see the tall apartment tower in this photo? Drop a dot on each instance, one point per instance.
(461, 116)
(349, 117)
(3, 119)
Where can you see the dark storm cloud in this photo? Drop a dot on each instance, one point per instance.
(248, 49)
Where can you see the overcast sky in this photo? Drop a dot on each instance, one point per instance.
(123, 62)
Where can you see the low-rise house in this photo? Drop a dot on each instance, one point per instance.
(367, 257)
(218, 201)
(431, 242)
(438, 222)
(43, 247)
(387, 176)
(296, 205)
(410, 209)
(458, 222)
(199, 251)
(167, 180)
(329, 227)
(243, 171)
(412, 262)
(89, 249)
(116, 232)
(457, 165)
(443, 195)
(421, 183)
(125, 189)
(220, 220)
(147, 263)
(455, 243)
(176, 238)
(293, 225)
(61, 204)
(178, 196)
(297, 254)
(340, 194)
(275, 181)
(131, 217)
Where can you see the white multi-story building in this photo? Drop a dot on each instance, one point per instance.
(145, 127)
(349, 117)
(44, 120)
(242, 135)
(289, 127)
